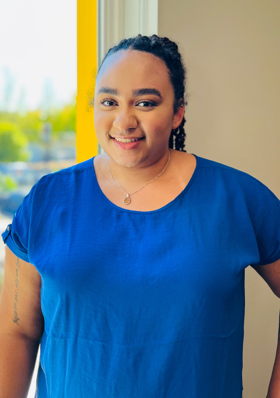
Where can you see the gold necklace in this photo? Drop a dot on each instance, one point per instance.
(127, 199)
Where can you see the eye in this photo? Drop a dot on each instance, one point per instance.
(151, 103)
(102, 102)
(147, 102)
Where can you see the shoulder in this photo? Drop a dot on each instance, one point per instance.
(59, 186)
(217, 166)
(230, 175)
(233, 185)
(64, 176)
(76, 168)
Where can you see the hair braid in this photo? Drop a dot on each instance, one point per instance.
(166, 50)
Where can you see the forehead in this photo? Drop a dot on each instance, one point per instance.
(132, 67)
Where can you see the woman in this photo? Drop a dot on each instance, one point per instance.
(135, 258)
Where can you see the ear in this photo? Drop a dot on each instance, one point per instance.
(178, 116)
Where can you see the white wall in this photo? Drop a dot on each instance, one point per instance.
(232, 54)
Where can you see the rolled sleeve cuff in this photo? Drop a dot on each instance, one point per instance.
(8, 240)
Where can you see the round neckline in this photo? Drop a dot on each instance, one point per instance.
(187, 187)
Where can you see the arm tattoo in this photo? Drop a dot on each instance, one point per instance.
(16, 319)
(279, 330)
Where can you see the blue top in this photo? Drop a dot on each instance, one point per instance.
(144, 304)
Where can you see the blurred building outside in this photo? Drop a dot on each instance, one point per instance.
(45, 157)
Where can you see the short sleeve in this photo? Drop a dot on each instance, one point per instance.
(16, 235)
(265, 216)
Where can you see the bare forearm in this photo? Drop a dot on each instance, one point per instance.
(17, 361)
(274, 385)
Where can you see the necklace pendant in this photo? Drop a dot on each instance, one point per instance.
(127, 200)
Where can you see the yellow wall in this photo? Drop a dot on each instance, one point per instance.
(87, 144)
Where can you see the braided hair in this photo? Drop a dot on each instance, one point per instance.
(166, 50)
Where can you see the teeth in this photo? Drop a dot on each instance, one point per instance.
(123, 140)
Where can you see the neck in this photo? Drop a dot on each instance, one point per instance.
(135, 173)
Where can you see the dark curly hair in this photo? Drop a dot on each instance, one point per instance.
(166, 50)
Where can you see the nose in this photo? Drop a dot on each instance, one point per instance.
(125, 121)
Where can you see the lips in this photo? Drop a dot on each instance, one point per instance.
(127, 145)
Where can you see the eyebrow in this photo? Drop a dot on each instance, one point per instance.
(135, 93)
